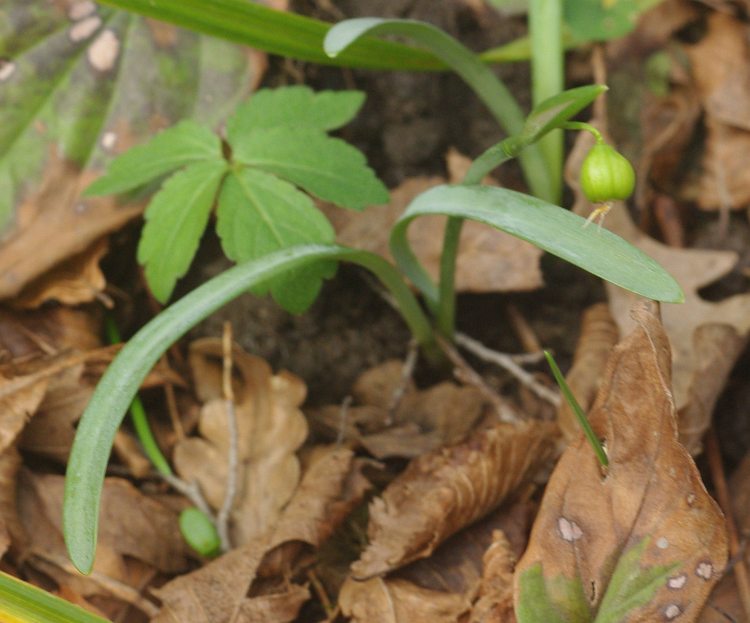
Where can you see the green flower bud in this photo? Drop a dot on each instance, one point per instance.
(199, 532)
(606, 175)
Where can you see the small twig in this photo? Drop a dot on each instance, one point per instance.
(320, 591)
(529, 341)
(506, 362)
(407, 371)
(174, 415)
(741, 577)
(466, 374)
(191, 491)
(222, 520)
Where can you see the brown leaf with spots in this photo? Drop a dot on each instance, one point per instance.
(271, 428)
(218, 592)
(705, 336)
(645, 528)
(598, 337)
(443, 491)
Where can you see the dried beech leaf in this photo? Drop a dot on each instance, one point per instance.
(329, 488)
(387, 600)
(598, 337)
(271, 428)
(704, 335)
(642, 542)
(444, 491)
(495, 603)
(10, 524)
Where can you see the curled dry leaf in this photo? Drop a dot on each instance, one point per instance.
(11, 529)
(443, 491)
(641, 541)
(271, 428)
(705, 336)
(495, 603)
(598, 337)
(213, 594)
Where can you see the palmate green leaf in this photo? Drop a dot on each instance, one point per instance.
(547, 226)
(325, 167)
(175, 147)
(258, 214)
(294, 106)
(175, 221)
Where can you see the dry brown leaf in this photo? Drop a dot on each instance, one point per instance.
(10, 524)
(495, 603)
(488, 260)
(386, 600)
(718, 63)
(598, 337)
(217, 592)
(446, 490)
(76, 280)
(704, 335)
(271, 428)
(650, 502)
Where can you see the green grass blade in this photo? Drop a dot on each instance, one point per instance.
(118, 386)
(547, 226)
(21, 602)
(277, 32)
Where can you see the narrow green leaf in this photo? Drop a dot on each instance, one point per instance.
(21, 602)
(326, 167)
(547, 226)
(294, 106)
(175, 147)
(558, 600)
(632, 585)
(258, 214)
(175, 221)
(96, 431)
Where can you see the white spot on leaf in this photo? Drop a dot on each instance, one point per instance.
(704, 570)
(672, 611)
(84, 29)
(662, 543)
(109, 139)
(103, 52)
(690, 499)
(79, 10)
(569, 530)
(7, 69)
(677, 582)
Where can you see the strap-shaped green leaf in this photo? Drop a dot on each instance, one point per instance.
(175, 221)
(547, 226)
(296, 106)
(326, 167)
(175, 147)
(258, 214)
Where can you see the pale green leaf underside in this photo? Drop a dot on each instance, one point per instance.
(175, 147)
(547, 226)
(325, 167)
(175, 221)
(297, 106)
(544, 600)
(258, 214)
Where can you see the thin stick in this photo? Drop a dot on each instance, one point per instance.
(506, 362)
(466, 374)
(407, 371)
(222, 520)
(343, 415)
(174, 415)
(713, 454)
(529, 340)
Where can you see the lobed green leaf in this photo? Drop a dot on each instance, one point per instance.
(175, 221)
(296, 106)
(326, 167)
(184, 143)
(258, 214)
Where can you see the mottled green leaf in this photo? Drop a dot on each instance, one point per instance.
(182, 144)
(80, 83)
(259, 214)
(294, 106)
(326, 167)
(175, 221)
(601, 20)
